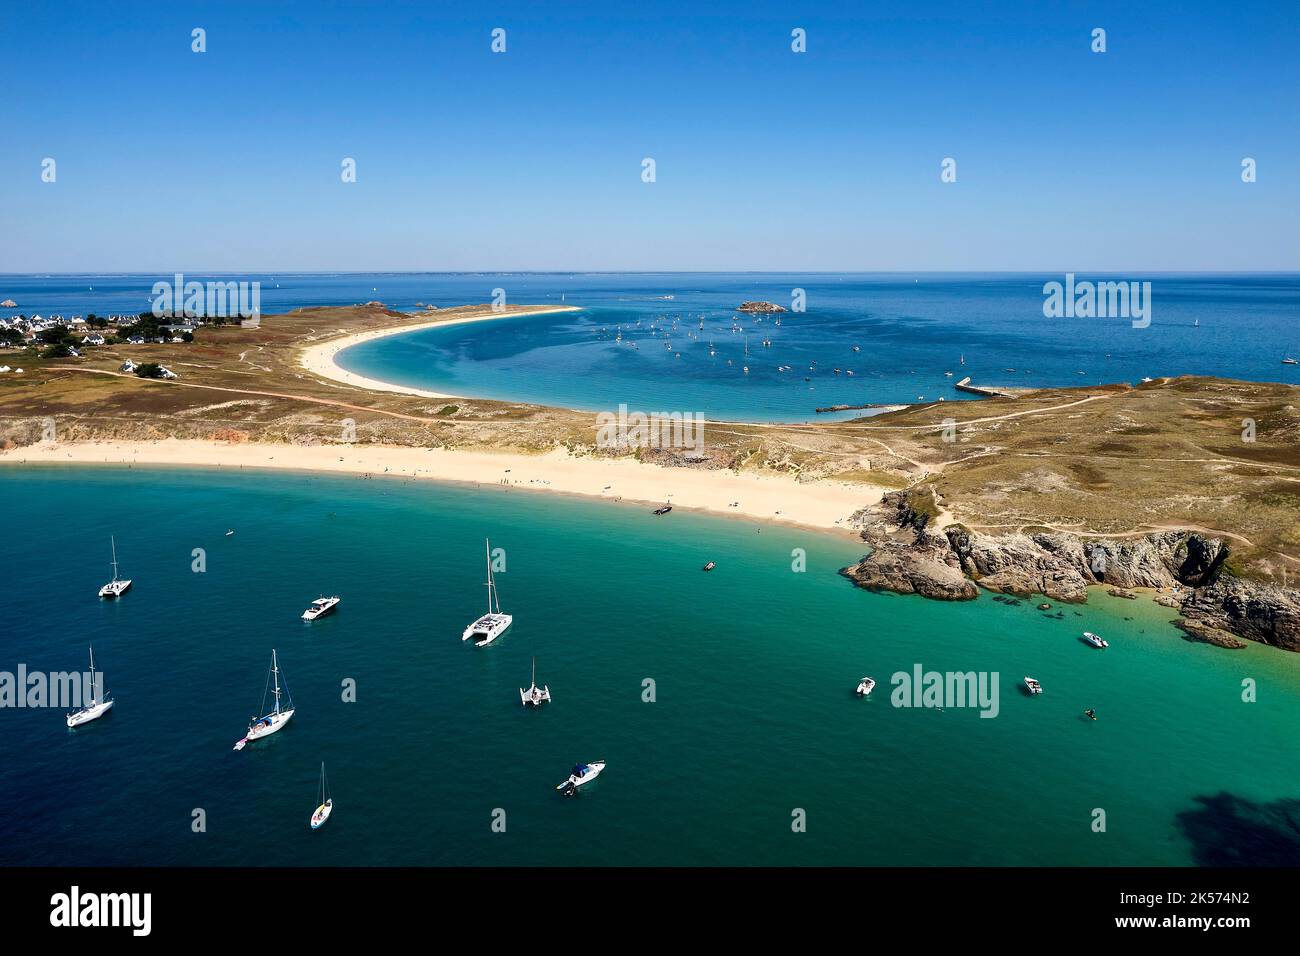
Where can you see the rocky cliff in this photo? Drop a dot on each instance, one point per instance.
(908, 557)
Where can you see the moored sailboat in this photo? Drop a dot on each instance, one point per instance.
(274, 719)
(492, 624)
(326, 805)
(118, 586)
(97, 707)
(535, 696)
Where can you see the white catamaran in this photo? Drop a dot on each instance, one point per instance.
(492, 624)
(116, 587)
(326, 806)
(535, 695)
(275, 718)
(97, 707)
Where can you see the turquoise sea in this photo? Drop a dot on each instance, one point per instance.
(910, 329)
(753, 665)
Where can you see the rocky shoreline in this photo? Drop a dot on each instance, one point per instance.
(1187, 569)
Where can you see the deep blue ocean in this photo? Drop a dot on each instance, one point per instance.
(910, 330)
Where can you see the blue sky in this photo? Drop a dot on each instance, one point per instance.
(766, 159)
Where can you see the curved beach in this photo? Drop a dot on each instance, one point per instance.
(321, 359)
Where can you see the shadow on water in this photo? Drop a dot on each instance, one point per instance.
(1226, 830)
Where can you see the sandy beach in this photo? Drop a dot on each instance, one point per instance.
(320, 359)
(824, 505)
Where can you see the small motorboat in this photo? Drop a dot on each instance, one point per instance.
(582, 773)
(866, 686)
(1033, 685)
(664, 510)
(1290, 361)
(1090, 714)
(1095, 640)
(229, 532)
(320, 607)
(710, 566)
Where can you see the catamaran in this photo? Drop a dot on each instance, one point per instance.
(274, 719)
(582, 773)
(1095, 640)
(536, 696)
(492, 624)
(116, 587)
(320, 607)
(866, 686)
(96, 708)
(326, 806)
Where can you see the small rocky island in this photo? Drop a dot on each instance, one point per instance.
(760, 307)
(8, 304)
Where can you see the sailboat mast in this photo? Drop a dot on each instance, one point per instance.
(487, 552)
(275, 669)
(113, 542)
(93, 701)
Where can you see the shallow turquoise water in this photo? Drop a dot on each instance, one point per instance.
(754, 667)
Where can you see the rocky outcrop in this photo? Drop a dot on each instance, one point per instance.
(759, 307)
(8, 304)
(908, 557)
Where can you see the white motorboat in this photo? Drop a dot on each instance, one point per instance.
(1033, 685)
(326, 806)
(866, 686)
(1095, 640)
(535, 696)
(274, 719)
(492, 624)
(320, 607)
(97, 707)
(118, 586)
(582, 773)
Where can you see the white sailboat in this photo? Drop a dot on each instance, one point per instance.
(96, 708)
(274, 719)
(116, 587)
(326, 806)
(492, 624)
(535, 695)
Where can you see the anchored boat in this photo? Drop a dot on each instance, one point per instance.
(492, 624)
(1033, 685)
(326, 806)
(96, 708)
(866, 686)
(116, 587)
(582, 773)
(274, 719)
(1095, 640)
(320, 607)
(534, 696)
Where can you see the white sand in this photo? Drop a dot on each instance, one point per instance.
(822, 504)
(320, 359)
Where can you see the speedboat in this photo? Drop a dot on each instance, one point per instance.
(710, 566)
(664, 510)
(320, 607)
(1095, 640)
(866, 686)
(582, 773)
(1033, 685)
